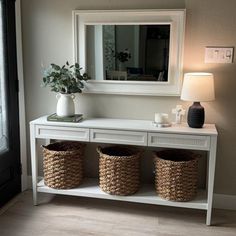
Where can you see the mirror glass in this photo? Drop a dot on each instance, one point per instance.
(128, 52)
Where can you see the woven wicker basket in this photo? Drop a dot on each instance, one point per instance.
(63, 164)
(119, 170)
(176, 175)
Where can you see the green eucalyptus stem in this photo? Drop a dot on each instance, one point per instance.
(66, 79)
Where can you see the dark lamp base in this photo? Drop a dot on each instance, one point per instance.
(196, 115)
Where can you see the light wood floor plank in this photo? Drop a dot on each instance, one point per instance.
(74, 216)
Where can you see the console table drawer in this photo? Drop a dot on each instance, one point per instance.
(118, 137)
(63, 133)
(179, 141)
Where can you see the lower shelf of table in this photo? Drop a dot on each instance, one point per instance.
(146, 194)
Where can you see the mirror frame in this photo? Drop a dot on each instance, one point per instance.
(176, 20)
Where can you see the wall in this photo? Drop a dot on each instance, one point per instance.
(47, 37)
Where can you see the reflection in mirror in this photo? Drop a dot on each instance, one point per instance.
(128, 52)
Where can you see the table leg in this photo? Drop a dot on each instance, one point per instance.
(211, 176)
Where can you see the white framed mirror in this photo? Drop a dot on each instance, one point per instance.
(132, 52)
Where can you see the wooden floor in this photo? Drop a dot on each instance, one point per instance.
(66, 215)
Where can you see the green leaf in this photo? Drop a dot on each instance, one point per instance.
(86, 77)
(80, 84)
(54, 90)
(48, 79)
(55, 67)
(65, 79)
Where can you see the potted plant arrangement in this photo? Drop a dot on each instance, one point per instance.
(65, 81)
(122, 57)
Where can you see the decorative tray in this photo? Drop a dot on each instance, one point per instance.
(161, 125)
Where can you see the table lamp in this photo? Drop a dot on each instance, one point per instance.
(197, 87)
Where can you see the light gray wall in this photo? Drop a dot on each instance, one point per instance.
(47, 37)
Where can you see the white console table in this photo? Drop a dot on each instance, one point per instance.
(129, 132)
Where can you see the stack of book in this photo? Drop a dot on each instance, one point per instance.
(75, 118)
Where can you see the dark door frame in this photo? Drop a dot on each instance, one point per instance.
(11, 77)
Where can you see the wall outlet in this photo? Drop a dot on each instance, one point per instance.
(219, 54)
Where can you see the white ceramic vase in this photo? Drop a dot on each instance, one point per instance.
(121, 66)
(65, 104)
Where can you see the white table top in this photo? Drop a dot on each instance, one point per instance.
(132, 125)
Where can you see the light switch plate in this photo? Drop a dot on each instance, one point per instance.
(219, 54)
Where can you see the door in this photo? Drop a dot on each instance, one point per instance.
(10, 166)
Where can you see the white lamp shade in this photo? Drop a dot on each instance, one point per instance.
(198, 87)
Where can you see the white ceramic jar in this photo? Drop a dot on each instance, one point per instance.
(65, 104)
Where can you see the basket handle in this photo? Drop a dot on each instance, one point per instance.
(58, 95)
(73, 96)
(154, 160)
(99, 150)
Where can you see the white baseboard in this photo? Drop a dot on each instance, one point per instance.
(221, 201)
